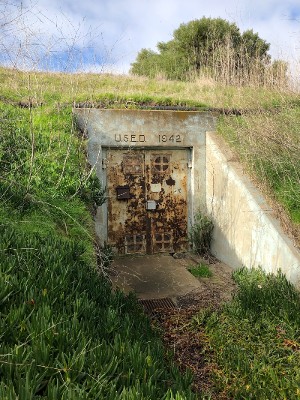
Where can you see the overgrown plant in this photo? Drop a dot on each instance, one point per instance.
(255, 338)
(200, 234)
(105, 256)
(200, 271)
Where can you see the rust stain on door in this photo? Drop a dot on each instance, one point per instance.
(147, 200)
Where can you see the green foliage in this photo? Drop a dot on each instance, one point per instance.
(273, 295)
(106, 256)
(201, 234)
(254, 46)
(65, 334)
(256, 338)
(91, 190)
(282, 176)
(269, 144)
(204, 44)
(200, 271)
(147, 63)
(137, 101)
(41, 159)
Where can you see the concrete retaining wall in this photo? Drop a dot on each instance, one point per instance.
(147, 129)
(246, 231)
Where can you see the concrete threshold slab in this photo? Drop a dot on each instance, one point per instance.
(154, 276)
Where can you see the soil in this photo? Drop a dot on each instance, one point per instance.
(185, 337)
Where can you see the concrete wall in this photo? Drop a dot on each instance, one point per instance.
(147, 129)
(246, 232)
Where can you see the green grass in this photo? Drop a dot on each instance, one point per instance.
(64, 334)
(48, 88)
(255, 339)
(269, 145)
(200, 271)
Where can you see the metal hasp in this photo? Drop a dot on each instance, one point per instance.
(123, 192)
(151, 205)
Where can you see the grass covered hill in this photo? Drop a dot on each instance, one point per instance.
(261, 123)
(64, 334)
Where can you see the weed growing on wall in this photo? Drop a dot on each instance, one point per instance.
(201, 234)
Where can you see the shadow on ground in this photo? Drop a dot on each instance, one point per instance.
(163, 276)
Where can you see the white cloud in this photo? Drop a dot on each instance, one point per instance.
(115, 30)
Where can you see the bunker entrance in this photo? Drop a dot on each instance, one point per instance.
(147, 200)
(153, 166)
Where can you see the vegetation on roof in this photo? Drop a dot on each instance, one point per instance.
(64, 333)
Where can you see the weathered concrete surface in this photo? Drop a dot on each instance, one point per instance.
(154, 276)
(246, 232)
(142, 129)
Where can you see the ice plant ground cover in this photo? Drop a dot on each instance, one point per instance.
(64, 334)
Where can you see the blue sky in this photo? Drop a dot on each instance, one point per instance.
(106, 35)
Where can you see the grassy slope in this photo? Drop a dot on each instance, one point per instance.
(266, 138)
(63, 333)
(46, 227)
(256, 339)
(18, 86)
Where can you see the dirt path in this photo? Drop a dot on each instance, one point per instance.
(185, 337)
(213, 291)
(163, 277)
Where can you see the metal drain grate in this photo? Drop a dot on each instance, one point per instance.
(153, 304)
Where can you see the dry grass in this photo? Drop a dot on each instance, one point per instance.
(45, 87)
(269, 146)
(266, 135)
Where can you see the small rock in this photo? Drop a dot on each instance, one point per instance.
(179, 255)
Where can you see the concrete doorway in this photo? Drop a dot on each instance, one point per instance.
(152, 164)
(245, 233)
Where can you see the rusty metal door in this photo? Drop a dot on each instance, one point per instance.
(147, 200)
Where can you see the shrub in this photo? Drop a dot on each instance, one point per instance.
(201, 234)
(200, 271)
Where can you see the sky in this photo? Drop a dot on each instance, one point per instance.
(106, 35)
